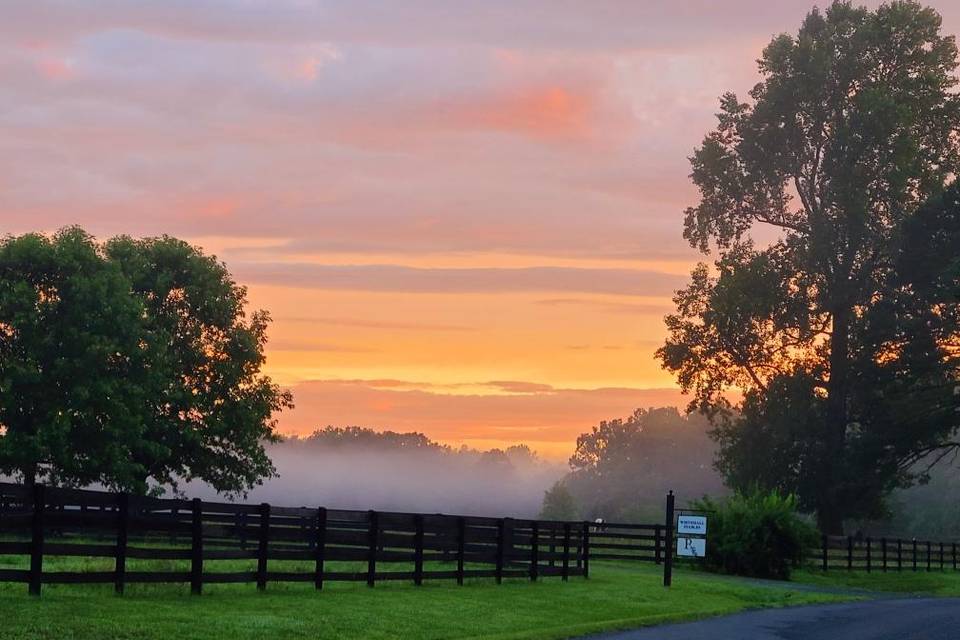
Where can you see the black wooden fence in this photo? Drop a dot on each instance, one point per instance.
(621, 541)
(884, 554)
(323, 544)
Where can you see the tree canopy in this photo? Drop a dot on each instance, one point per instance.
(831, 306)
(623, 468)
(131, 363)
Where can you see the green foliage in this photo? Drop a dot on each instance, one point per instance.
(558, 503)
(758, 534)
(832, 307)
(68, 352)
(132, 364)
(622, 469)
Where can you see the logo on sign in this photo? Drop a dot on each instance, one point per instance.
(693, 525)
(691, 547)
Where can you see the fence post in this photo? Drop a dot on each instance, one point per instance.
(954, 554)
(263, 546)
(577, 549)
(320, 547)
(849, 553)
(566, 552)
(509, 545)
(461, 547)
(304, 526)
(242, 525)
(883, 542)
(499, 567)
(941, 556)
(553, 544)
(196, 547)
(914, 554)
(656, 544)
(36, 542)
(586, 549)
(123, 525)
(899, 555)
(823, 560)
(534, 550)
(869, 545)
(418, 550)
(175, 524)
(373, 533)
(668, 543)
(928, 556)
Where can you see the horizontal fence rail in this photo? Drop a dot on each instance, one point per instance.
(191, 538)
(619, 541)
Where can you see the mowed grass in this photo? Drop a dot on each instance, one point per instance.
(617, 596)
(921, 582)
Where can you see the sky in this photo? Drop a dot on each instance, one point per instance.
(464, 217)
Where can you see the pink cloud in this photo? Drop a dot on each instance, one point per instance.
(546, 112)
(55, 68)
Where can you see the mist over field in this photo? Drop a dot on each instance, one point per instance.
(621, 471)
(361, 469)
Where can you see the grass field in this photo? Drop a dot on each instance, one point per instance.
(616, 596)
(938, 583)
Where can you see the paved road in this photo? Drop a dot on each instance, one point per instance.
(893, 619)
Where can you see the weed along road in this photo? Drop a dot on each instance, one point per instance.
(892, 619)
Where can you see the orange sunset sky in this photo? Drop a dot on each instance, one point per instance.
(464, 217)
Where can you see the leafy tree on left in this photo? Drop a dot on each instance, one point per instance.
(132, 364)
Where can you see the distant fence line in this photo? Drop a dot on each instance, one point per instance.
(41, 522)
(883, 554)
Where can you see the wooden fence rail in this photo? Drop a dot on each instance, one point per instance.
(279, 544)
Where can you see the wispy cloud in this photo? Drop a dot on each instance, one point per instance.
(448, 280)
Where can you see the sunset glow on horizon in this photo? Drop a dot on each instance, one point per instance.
(465, 219)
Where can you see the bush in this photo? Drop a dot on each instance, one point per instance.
(558, 503)
(758, 534)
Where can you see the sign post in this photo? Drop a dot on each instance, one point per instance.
(668, 543)
(691, 538)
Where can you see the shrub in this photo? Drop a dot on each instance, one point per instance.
(558, 503)
(757, 534)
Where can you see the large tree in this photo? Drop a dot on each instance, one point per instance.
(132, 363)
(824, 312)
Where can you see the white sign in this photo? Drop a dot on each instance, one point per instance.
(691, 547)
(696, 525)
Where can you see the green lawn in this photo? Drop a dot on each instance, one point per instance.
(616, 596)
(938, 583)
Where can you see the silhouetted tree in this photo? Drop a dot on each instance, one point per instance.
(835, 323)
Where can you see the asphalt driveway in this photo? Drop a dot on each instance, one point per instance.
(882, 619)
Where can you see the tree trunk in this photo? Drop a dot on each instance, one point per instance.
(830, 505)
(29, 475)
(830, 519)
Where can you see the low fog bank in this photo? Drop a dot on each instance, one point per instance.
(353, 468)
